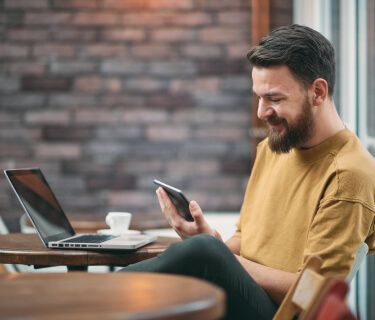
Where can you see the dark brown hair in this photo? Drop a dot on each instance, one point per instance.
(307, 53)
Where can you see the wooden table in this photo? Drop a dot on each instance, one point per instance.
(108, 296)
(20, 248)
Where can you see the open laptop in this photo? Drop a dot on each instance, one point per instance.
(50, 221)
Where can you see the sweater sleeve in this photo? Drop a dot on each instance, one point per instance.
(337, 230)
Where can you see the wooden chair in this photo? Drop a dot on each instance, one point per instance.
(303, 295)
(332, 303)
(360, 256)
(313, 296)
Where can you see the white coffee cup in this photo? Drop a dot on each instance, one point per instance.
(118, 222)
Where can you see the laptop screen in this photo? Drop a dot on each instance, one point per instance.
(40, 204)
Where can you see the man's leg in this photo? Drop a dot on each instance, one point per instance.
(207, 258)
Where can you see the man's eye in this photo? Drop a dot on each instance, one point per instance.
(275, 100)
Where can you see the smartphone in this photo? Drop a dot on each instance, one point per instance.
(178, 199)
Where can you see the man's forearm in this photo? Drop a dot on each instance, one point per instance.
(275, 282)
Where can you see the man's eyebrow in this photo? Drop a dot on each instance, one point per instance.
(270, 94)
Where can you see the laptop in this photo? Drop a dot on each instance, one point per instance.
(51, 223)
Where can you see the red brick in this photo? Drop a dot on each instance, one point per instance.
(192, 19)
(198, 117)
(13, 151)
(53, 50)
(141, 116)
(13, 51)
(47, 18)
(238, 50)
(47, 117)
(175, 34)
(97, 84)
(96, 19)
(210, 84)
(169, 133)
(20, 135)
(29, 67)
(202, 51)
(83, 116)
(222, 35)
(145, 84)
(219, 4)
(26, 4)
(66, 133)
(235, 18)
(57, 151)
(72, 67)
(172, 101)
(147, 19)
(26, 35)
(74, 34)
(81, 4)
(221, 133)
(123, 4)
(71, 100)
(153, 51)
(169, 4)
(9, 84)
(45, 84)
(124, 34)
(103, 50)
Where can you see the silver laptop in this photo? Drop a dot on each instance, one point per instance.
(50, 221)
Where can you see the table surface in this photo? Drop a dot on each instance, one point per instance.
(20, 248)
(108, 296)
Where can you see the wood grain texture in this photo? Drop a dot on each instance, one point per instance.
(19, 248)
(108, 296)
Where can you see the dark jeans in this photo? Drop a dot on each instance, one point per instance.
(205, 257)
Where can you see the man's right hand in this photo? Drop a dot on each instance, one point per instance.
(183, 227)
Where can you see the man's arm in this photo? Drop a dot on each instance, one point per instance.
(274, 281)
(234, 244)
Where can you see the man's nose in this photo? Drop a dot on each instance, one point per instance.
(265, 110)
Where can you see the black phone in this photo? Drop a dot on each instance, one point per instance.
(178, 199)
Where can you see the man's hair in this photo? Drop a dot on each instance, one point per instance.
(307, 53)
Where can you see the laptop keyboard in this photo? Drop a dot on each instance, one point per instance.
(99, 238)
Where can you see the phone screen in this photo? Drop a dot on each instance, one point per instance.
(178, 199)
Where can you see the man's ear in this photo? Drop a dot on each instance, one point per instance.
(320, 91)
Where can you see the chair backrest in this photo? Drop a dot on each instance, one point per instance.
(359, 257)
(304, 293)
(332, 304)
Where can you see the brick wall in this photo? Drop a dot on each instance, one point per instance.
(105, 95)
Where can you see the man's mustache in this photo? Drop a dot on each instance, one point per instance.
(274, 120)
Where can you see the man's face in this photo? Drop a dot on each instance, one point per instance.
(284, 106)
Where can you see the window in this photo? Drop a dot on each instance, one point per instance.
(350, 26)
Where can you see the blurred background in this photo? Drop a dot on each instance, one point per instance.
(106, 95)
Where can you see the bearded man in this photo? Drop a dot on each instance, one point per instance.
(311, 190)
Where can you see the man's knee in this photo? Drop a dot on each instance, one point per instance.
(200, 247)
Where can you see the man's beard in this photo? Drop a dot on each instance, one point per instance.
(296, 133)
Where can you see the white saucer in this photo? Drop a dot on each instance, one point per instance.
(109, 231)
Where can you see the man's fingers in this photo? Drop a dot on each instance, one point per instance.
(196, 212)
(168, 208)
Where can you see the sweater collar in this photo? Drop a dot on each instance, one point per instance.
(330, 145)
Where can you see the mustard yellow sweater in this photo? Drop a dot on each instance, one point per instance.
(315, 201)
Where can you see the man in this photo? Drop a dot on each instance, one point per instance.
(311, 190)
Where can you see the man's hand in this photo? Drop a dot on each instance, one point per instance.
(184, 228)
